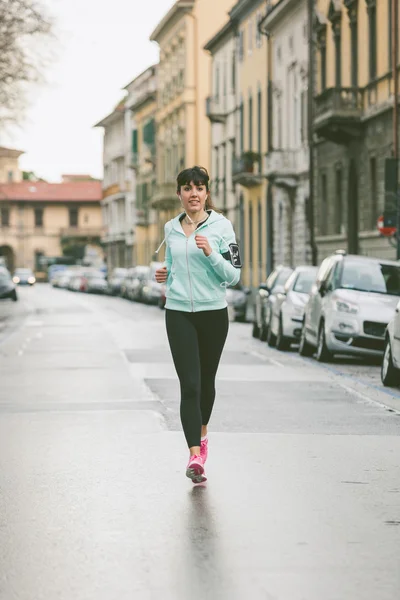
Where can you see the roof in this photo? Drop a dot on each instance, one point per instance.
(41, 191)
(242, 7)
(117, 112)
(220, 35)
(11, 152)
(180, 4)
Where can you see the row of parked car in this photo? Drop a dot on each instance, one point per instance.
(350, 305)
(137, 284)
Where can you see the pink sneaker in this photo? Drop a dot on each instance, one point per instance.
(204, 450)
(195, 469)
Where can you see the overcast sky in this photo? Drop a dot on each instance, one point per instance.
(101, 47)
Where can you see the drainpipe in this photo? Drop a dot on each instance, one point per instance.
(311, 88)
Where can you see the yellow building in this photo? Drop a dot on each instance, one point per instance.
(9, 166)
(254, 200)
(142, 104)
(42, 220)
(353, 119)
(183, 130)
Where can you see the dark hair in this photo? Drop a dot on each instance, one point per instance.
(199, 176)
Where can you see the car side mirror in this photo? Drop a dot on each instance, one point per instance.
(247, 291)
(263, 286)
(279, 289)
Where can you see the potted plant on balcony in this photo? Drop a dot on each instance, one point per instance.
(249, 159)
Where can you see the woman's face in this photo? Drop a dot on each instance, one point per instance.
(193, 197)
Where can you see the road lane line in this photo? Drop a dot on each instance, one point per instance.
(367, 399)
(267, 358)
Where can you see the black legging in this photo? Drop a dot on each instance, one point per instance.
(196, 341)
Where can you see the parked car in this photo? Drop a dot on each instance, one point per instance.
(237, 297)
(95, 282)
(288, 309)
(7, 286)
(163, 298)
(23, 276)
(150, 289)
(390, 367)
(350, 306)
(139, 274)
(265, 298)
(117, 277)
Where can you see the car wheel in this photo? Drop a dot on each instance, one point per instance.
(305, 349)
(282, 342)
(14, 296)
(323, 354)
(271, 338)
(263, 333)
(255, 331)
(390, 375)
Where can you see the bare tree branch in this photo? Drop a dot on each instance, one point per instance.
(24, 27)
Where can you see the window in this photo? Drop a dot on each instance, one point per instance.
(250, 42)
(323, 67)
(259, 124)
(251, 123)
(338, 60)
(216, 84)
(260, 252)
(10, 176)
(372, 41)
(134, 141)
(241, 45)
(354, 54)
(259, 37)
(73, 217)
(291, 45)
(390, 62)
(323, 217)
(86, 218)
(241, 127)
(250, 249)
(304, 116)
(373, 192)
(339, 201)
(38, 217)
(5, 217)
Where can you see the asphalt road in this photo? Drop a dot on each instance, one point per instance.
(303, 494)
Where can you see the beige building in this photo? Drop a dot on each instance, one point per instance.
(42, 220)
(253, 195)
(141, 105)
(183, 130)
(118, 191)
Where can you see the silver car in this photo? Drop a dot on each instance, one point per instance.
(265, 298)
(350, 306)
(390, 369)
(288, 310)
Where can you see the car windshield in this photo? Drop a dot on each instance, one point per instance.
(23, 271)
(282, 277)
(120, 272)
(371, 277)
(305, 281)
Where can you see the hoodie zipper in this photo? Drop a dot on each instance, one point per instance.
(190, 280)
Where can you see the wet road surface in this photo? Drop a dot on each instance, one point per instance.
(303, 497)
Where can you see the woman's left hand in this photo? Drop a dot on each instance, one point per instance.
(202, 244)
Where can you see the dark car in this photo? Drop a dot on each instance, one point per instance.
(7, 287)
(24, 276)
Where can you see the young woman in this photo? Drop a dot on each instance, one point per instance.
(201, 260)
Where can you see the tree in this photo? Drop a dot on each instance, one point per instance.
(23, 26)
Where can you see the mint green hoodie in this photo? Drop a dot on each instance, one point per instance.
(197, 282)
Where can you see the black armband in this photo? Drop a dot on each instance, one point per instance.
(233, 255)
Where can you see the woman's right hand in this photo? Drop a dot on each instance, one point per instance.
(161, 275)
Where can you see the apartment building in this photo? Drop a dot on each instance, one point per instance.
(118, 190)
(41, 221)
(354, 123)
(141, 105)
(253, 194)
(9, 165)
(287, 162)
(183, 129)
(221, 110)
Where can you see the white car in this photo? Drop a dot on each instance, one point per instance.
(288, 310)
(351, 303)
(390, 368)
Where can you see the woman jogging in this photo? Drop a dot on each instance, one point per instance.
(201, 260)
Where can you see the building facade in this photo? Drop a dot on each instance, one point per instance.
(41, 221)
(221, 110)
(253, 194)
(353, 122)
(118, 191)
(287, 162)
(9, 165)
(141, 105)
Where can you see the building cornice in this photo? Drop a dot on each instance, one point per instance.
(181, 6)
(278, 12)
(220, 36)
(242, 7)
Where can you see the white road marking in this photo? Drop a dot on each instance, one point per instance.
(267, 358)
(34, 323)
(367, 399)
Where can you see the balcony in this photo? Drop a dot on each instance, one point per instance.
(214, 111)
(134, 160)
(165, 196)
(246, 170)
(338, 114)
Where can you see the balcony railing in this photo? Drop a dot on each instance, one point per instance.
(165, 196)
(281, 167)
(82, 232)
(246, 170)
(215, 111)
(338, 113)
